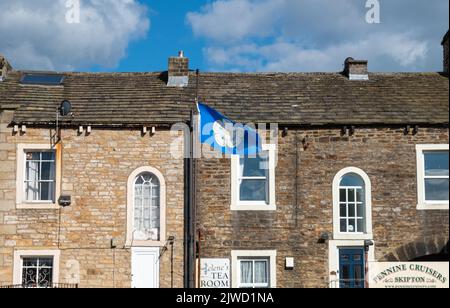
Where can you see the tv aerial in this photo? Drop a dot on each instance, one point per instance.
(63, 110)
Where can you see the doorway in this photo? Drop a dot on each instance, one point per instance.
(351, 268)
(145, 267)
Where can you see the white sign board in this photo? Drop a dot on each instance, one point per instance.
(408, 275)
(215, 273)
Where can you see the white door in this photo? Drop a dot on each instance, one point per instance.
(145, 267)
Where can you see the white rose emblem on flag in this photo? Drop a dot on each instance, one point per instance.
(223, 133)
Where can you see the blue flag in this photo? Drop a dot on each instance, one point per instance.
(225, 135)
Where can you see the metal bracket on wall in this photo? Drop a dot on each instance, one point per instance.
(410, 129)
(348, 131)
(305, 142)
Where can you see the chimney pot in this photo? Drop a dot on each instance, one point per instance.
(356, 69)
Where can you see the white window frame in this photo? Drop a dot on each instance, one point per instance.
(21, 202)
(253, 261)
(337, 234)
(236, 203)
(422, 204)
(237, 255)
(333, 257)
(18, 263)
(130, 241)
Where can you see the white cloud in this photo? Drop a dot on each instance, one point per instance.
(233, 20)
(289, 57)
(35, 34)
(317, 35)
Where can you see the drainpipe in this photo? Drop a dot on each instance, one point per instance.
(192, 250)
(186, 223)
(190, 200)
(187, 213)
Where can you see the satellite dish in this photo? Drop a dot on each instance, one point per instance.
(65, 108)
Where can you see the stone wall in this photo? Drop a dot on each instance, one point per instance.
(385, 154)
(95, 170)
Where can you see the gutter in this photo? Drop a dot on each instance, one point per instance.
(169, 124)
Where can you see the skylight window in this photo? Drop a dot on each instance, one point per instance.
(42, 79)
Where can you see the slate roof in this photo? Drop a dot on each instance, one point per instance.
(134, 99)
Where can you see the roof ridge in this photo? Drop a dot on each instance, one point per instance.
(79, 73)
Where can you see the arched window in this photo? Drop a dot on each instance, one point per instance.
(352, 204)
(146, 225)
(352, 217)
(146, 208)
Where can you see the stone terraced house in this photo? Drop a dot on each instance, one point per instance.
(100, 196)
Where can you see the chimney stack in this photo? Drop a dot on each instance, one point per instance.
(178, 73)
(5, 67)
(356, 69)
(445, 44)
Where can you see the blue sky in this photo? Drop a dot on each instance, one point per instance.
(222, 35)
(168, 34)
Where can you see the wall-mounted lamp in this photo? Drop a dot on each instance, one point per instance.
(80, 129)
(16, 129)
(324, 236)
(65, 200)
(88, 130)
(367, 244)
(153, 131)
(285, 132)
(23, 129)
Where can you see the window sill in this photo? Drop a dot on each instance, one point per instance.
(432, 206)
(253, 207)
(348, 236)
(37, 206)
(137, 243)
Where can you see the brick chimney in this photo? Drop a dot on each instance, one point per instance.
(356, 69)
(178, 73)
(5, 67)
(445, 44)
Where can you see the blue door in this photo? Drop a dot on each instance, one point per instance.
(351, 268)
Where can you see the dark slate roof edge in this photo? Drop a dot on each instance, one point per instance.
(286, 124)
(218, 73)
